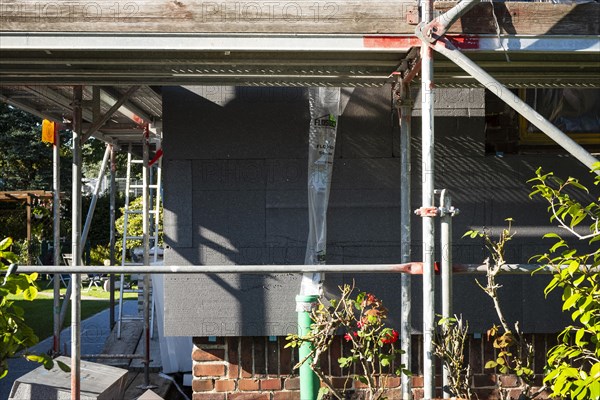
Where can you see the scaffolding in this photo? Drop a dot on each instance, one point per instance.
(379, 55)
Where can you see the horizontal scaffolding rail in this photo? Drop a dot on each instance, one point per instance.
(413, 268)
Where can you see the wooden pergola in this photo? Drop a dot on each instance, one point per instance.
(29, 197)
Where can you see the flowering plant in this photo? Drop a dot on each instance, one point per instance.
(372, 352)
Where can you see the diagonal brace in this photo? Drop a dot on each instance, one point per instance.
(446, 48)
(98, 124)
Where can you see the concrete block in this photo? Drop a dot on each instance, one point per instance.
(98, 382)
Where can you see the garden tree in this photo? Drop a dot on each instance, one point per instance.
(573, 369)
(15, 334)
(25, 162)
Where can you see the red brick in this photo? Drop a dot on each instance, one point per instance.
(225, 385)
(270, 384)
(417, 394)
(286, 396)
(341, 383)
(484, 380)
(417, 381)
(204, 369)
(391, 381)
(208, 396)
(249, 396)
(208, 354)
(292, 383)
(248, 384)
(202, 385)
(543, 395)
(487, 394)
(509, 380)
(394, 394)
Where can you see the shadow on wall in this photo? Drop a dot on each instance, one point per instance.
(235, 193)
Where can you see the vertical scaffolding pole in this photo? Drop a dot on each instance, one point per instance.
(113, 190)
(427, 146)
(405, 110)
(446, 243)
(76, 248)
(56, 237)
(146, 243)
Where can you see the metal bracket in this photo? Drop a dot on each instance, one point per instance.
(412, 15)
(432, 31)
(427, 211)
(452, 211)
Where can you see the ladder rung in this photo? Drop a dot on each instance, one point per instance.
(129, 264)
(137, 161)
(134, 237)
(133, 211)
(126, 318)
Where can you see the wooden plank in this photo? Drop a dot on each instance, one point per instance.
(131, 331)
(199, 16)
(300, 16)
(527, 18)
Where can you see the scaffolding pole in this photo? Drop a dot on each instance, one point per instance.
(113, 172)
(56, 237)
(146, 244)
(404, 104)
(446, 214)
(412, 268)
(76, 248)
(427, 201)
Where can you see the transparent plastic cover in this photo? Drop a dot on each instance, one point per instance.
(324, 106)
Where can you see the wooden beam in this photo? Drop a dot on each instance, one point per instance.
(24, 195)
(207, 16)
(527, 18)
(300, 16)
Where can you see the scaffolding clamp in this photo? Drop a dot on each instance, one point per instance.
(451, 211)
(427, 211)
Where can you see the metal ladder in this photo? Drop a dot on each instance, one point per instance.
(154, 196)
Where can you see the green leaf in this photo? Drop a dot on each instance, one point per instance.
(30, 293)
(490, 364)
(35, 358)
(63, 366)
(6, 243)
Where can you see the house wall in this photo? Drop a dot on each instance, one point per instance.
(235, 162)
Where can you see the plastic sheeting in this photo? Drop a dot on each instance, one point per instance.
(324, 106)
(571, 110)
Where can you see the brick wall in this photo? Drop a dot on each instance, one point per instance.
(237, 368)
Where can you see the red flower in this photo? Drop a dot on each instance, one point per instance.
(390, 337)
(359, 324)
(348, 337)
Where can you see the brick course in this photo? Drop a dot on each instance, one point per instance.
(260, 370)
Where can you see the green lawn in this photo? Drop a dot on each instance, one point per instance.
(38, 313)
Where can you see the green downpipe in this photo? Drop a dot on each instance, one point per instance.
(309, 382)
